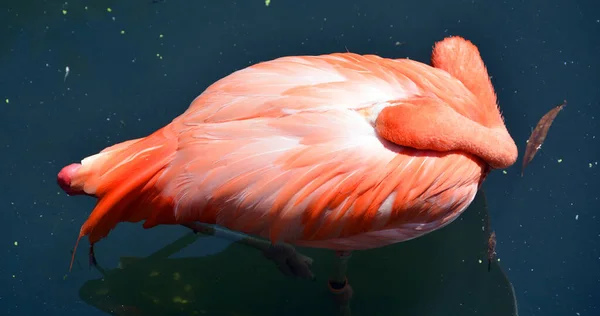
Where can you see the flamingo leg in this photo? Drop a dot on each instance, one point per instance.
(92, 257)
(288, 260)
(93, 262)
(338, 282)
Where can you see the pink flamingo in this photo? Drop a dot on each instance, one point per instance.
(341, 151)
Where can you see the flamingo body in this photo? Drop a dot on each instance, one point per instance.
(339, 151)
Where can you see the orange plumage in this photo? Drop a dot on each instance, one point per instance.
(338, 151)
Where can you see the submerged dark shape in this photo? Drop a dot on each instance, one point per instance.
(539, 134)
(438, 274)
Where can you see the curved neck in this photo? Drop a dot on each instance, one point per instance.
(429, 124)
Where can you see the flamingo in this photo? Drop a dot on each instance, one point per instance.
(340, 151)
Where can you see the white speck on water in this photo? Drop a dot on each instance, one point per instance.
(577, 217)
(67, 70)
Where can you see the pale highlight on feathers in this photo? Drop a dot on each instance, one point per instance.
(337, 151)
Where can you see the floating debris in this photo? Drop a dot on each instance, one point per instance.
(491, 249)
(67, 70)
(267, 2)
(535, 141)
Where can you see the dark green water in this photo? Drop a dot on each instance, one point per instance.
(126, 80)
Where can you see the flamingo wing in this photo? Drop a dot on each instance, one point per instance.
(288, 150)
